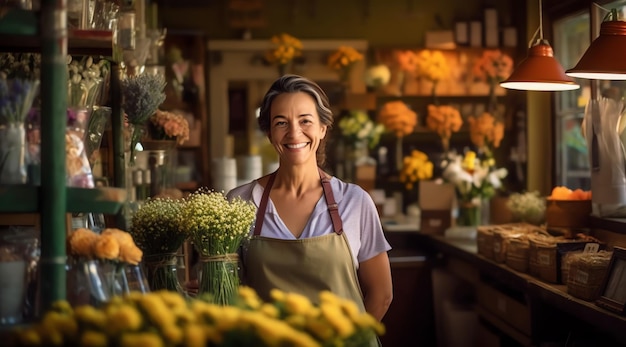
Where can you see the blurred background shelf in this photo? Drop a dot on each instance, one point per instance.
(25, 199)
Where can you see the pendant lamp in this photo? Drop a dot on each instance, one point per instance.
(605, 59)
(540, 71)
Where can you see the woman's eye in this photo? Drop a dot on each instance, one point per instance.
(280, 124)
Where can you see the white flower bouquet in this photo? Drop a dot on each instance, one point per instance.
(357, 126)
(218, 227)
(474, 179)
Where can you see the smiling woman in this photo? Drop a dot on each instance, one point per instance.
(312, 231)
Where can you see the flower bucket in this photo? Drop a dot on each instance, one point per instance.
(13, 154)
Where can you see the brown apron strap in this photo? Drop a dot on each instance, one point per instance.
(260, 213)
(333, 209)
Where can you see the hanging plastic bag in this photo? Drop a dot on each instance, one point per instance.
(607, 156)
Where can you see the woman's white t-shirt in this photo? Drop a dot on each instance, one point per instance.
(361, 223)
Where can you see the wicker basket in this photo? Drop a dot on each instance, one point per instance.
(542, 257)
(586, 273)
(518, 248)
(484, 240)
(517, 253)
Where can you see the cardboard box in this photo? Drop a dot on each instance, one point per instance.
(435, 201)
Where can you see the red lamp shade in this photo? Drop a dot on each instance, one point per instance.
(605, 59)
(540, 71)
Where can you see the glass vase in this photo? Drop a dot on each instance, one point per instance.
(13, 154)
(161, 272)
(469, 214)
(86, 282)
(218, 279)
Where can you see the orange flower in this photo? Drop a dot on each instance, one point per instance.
(485, 130)
(444, 120)
(493, 66)
(407, 60)
(398, 118)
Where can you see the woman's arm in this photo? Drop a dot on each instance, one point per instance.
(375, 279)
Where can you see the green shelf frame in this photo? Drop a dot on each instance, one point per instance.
(25, 199)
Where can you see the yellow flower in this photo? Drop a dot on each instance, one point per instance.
(286, 48)
(432, 65)
(123, 317)
(92, 338)
(143, 339)
(194, 336)
(297, 304)
(415, 167)
(335, 317)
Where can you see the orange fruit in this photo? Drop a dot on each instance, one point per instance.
(560, 193)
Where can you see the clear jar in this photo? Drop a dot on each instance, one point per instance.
(126, 29)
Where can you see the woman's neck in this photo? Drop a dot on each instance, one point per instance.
(298, 179)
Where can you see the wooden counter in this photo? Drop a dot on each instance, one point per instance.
(554, 315)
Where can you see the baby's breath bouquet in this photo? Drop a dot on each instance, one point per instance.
(217, 227)
(527, 207)
(165, 318)
(141, 96)
(157, 227)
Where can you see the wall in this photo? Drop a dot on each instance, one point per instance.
(380, 22)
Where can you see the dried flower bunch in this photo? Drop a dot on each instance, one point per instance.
(25, 66)
(19, 85)
(357, 126)
(166, 319)
(444, 120)
(398, 118)
(111, 244)
(169, 125)
(141, 96)
(493, 66)
(416, 167)
(486, 131)
(286, 48)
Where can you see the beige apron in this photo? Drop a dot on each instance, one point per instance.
(305, 266)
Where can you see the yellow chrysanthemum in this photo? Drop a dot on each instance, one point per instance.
(415, 167)
(91, 338)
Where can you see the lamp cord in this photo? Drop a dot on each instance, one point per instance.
(539, 30)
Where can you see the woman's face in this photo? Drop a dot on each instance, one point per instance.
(295, 128)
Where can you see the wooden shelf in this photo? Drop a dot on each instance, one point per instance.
(25, 199)
(82, 45)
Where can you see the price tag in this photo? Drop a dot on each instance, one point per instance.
(591, 248)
